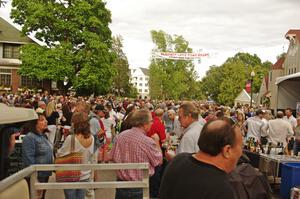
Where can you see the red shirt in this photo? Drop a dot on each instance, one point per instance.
(133, 146)
(157, 128)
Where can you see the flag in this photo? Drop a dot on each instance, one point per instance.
(248, 87)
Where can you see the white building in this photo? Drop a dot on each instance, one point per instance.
(139, 77)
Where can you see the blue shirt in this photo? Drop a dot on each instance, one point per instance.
(36, 149)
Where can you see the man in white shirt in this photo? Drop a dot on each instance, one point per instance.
(255, 125)
(290, 118)
(279, 130)
(188, 118)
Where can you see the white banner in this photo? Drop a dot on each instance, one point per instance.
(180, 56)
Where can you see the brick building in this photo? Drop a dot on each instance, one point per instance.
(10, 42)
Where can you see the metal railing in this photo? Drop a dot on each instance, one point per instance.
(35, 185)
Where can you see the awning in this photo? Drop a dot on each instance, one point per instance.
(12, 114)
(295, 76)
(288, 93)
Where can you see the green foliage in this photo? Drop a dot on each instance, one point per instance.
(77, 38)
(209, 85)
(173, 79)
(121, 85)
(223, 83)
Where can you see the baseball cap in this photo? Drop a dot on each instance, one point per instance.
(99, 107)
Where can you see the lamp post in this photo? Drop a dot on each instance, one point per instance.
(252, 74)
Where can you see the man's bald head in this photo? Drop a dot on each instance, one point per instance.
(215, 135)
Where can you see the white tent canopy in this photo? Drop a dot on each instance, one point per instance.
(288, 91)
(12, 114)
(243, 98)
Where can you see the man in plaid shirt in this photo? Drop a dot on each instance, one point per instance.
(134, 146)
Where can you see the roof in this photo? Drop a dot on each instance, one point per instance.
(244, 97)
(145, 71)
(279, 64)
(293, 32)
(9, 33)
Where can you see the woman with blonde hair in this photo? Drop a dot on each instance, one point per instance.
(52, 116)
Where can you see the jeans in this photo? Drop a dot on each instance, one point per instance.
(131, 193)
(155, 182)
(74, 193)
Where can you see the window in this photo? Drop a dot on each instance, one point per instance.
(5, 77)
(140, 90)
(295, 70)
(146, 84)
(11, 51)
(141, 78)
(146, 78)
(146, 90)
(140, 84)
(135, 84)
(29, 83)
(289, 71)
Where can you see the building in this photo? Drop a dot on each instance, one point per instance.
(10, 42)
(264, 93)
(287, 86)
(276, 71)
(139, 77)
(284, 77)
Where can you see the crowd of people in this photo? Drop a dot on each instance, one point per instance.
(185, 143)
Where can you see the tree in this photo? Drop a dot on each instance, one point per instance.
(223, 83)
(77, 42)
(173, 79)
(209, 85)
(233, 82)
(121, 84)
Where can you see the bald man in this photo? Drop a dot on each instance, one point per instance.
(203, 175)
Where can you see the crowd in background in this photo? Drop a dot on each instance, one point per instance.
(106, 126)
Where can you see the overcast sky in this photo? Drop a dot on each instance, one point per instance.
(221, 27)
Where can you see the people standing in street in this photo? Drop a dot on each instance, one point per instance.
(37, 149)
(134, 146)
(297, 137)
(84, 144)
(290, 118)
(254, 126)
(203, 175)
(279, 130)
(188, 118)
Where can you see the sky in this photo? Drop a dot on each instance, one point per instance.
(219, 27)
